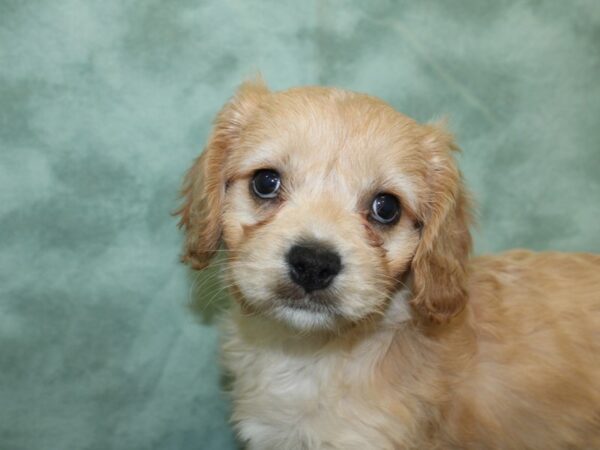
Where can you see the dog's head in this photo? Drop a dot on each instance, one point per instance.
(328, 203)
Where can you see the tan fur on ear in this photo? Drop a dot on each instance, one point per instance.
(204, 185)
(439, 264)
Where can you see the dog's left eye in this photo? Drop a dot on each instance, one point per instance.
(385, 209)
(266, 183)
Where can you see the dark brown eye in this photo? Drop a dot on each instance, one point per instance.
(266, 183)
(385, 209)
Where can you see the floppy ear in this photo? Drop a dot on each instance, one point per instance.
(204, 184)
(439, 264)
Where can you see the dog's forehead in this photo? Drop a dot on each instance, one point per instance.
(348, 142)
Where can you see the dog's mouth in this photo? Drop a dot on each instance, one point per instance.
(294, 297)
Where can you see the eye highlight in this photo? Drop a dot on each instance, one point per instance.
(266, 183)
(385, 209)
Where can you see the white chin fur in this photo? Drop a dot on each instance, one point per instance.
(303, 319)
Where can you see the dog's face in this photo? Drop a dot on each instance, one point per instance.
(328, 203)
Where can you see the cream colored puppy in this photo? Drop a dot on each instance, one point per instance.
(360, 321)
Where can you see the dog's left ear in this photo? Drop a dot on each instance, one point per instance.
(439, 265)
(204, 185)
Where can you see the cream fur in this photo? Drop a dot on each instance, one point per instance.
(424, 347)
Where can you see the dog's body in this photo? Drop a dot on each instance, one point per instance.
(385, 335)
(514, 371)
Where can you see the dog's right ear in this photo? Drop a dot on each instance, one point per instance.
(204, 184)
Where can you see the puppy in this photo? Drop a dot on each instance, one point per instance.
(360, 320)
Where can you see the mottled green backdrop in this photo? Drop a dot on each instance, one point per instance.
(103, 105)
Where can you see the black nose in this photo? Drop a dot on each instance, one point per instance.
(313, 266)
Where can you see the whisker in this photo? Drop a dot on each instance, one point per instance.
(220, 291)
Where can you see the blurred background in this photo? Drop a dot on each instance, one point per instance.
(106, 341)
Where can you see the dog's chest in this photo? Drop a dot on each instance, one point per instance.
(286, 401)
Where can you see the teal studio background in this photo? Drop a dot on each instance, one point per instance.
(106, 341)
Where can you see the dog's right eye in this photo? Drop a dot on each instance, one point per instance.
(266, 183)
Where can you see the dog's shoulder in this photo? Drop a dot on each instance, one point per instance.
(553, 280)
